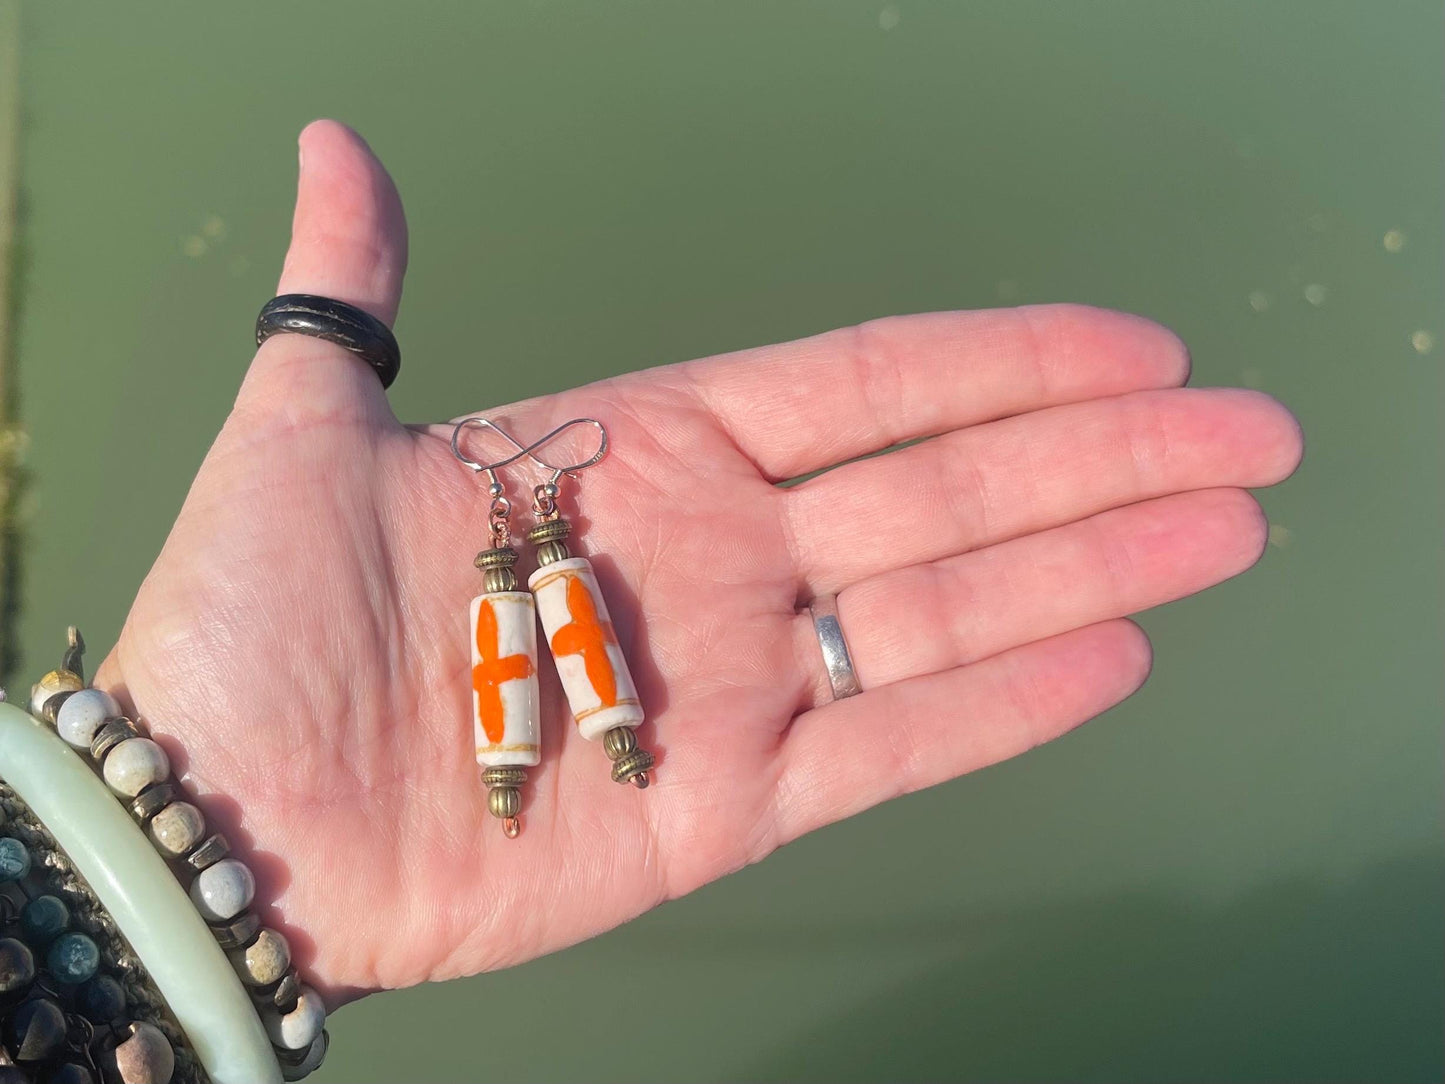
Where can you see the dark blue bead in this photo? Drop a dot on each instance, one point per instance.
(14, 859)
(36, 1030)
(17, 966)
(73, 957)
(70, 1073)
(101, 1000)
(43, 919)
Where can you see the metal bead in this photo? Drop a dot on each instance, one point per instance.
(239, 931)
(618, 742)
(549, 530)
(209, 853)
(499, 579)
(506, 775)
(496, 489)
(504, 801)
(549, 553)
(152, 800)
(633, 768)
(284, 994)
(50, 710)
(499, 557)
(496, 565)
(53, 683)
(111, 735)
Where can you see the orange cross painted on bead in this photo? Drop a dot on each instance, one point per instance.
(488, 675)
(588, 635)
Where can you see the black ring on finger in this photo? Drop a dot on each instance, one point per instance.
(337, 322)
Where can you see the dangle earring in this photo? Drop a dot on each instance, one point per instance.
(503, 629)
(578, 627)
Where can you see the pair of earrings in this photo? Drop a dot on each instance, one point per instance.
(563, 591)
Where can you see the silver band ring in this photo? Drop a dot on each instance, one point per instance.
(836, 659)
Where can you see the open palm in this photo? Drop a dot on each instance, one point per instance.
(301, 643)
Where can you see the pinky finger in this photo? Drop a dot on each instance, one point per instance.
(846, 756)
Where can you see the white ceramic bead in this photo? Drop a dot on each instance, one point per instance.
(589, 661)
(83, 714)
(297, 1029)
(133, 765)
(504, 679)
(57, 681)
(224, 890)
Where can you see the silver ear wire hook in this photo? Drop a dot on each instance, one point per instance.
(529, 451)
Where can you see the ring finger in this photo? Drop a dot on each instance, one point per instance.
(936, 616)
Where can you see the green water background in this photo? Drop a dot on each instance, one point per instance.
(1237, 875)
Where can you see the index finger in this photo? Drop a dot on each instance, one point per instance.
(804, 405)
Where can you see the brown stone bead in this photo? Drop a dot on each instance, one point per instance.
(144, 1057)
(264, 960)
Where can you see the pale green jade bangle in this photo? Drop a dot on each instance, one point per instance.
(149, 907)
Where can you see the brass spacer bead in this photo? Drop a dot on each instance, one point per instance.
(152, 800)
(619, 741)
(51, 708)
(501, 557)
(549, 553)
(499, 579)
(549, 530)
(507, 775)
(633, 768)
(504, 801)
(110, 735)
(283, 994)
(239, 932)
(210, 852)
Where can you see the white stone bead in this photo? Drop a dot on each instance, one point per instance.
(83, 714)
(297, 1029)
(315, 1054)
(223, 891)
(589, 661)
(505, 717)
(133, 765)
(57, 681)
(177, 828)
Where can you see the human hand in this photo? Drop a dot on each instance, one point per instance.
(300, 645)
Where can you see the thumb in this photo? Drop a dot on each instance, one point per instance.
(348, 242)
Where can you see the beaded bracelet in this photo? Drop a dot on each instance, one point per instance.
(77, 1001)
(221, 887)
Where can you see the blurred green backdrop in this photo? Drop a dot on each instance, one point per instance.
(1235, 876)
